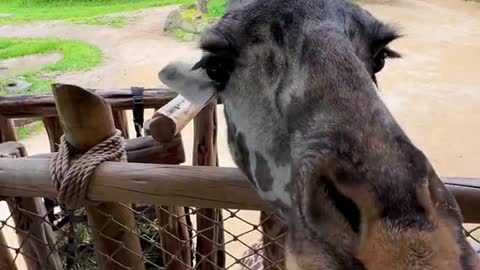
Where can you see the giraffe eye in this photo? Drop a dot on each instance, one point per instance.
(381, 56)
(218, 68)
(379, 61)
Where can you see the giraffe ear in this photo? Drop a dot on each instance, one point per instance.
(193, 84)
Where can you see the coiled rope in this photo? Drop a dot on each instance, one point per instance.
(72, 176)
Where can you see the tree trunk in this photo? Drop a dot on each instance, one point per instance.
(203, 6)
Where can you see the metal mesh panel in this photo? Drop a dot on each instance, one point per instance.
(169, 237)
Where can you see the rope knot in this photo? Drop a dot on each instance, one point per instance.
(71, 177)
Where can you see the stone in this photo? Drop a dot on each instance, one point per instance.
(188, 26)
(16, 85)
(189, 37)
(202, 26)
(174, 20)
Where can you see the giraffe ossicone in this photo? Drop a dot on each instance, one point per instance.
(194, 85)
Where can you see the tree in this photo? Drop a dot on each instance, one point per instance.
(202, 6)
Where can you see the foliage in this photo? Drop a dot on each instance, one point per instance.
(77, 56)
(28, 130)
(216, 8)
(78, 11)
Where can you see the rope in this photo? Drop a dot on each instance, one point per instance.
(72, 178)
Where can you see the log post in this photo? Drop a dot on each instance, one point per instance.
(54, 131)
(176, 251)
(36, 237)
(7, 130)
(210, 246)
(7, 262)
(165, 127)
(121, 122)
(87, 120)
(174, 235)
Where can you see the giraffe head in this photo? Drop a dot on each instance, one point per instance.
(307, 127)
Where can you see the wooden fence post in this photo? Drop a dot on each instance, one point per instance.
(54, 131)
(210, 243)
(121, 122)
(7, 130)
(87, 120)
(27, 213)
(7, 262)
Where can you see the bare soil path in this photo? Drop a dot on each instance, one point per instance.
(434, 91)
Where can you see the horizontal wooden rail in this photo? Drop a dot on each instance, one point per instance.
(207, 187)
(195, 186)
(44, 105)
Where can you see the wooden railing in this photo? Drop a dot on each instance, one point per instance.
(153, 174)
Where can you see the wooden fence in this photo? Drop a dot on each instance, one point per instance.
(153, 176)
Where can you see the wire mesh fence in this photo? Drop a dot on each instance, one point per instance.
(171, 237)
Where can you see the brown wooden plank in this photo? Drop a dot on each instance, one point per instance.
(44, 105)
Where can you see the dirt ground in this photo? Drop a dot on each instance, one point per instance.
(433, 91)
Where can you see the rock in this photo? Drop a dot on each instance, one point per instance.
(16, 85)
(174, 19)
(188, 26)
(189, 37)
(202, 26)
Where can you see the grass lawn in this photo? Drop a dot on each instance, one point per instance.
(77, 11)
(28, 130)
(216, 8)
(77, 56)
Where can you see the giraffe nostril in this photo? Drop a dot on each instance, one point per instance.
(358, 265)
(344, 205)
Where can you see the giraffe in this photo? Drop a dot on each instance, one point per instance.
(305, 124)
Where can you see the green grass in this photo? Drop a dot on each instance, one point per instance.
(77, 56)
(28, 130)
(216, 8)
(116, 22)
(78, 11)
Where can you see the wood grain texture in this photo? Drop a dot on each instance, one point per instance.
(7, 261)
(210, 242)
(121, 122)
(44, 105)
(194, 186)
(87, 120)
(54, 131)
(7, 130)
(169, 120)
(35, 235)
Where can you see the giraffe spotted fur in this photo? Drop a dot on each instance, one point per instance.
(307, 127)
